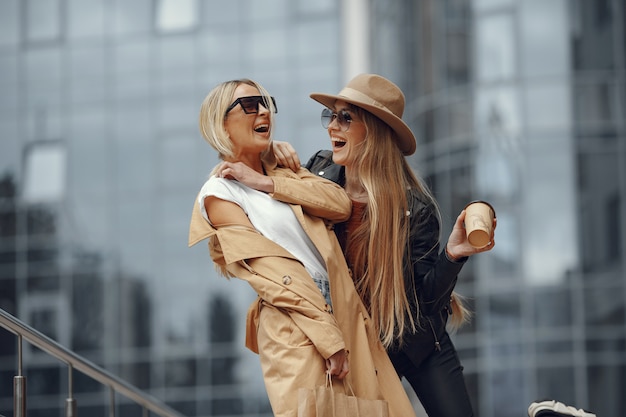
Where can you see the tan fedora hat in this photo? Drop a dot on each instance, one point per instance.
(380, 97)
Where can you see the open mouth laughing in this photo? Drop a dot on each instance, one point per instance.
(263, 128)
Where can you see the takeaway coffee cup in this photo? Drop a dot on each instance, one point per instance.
(479, 217)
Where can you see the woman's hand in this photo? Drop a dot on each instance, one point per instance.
(286, 155)
(245, 175)
(337, 365)
(458, 246)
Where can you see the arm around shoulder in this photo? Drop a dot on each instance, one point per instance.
(318, 196)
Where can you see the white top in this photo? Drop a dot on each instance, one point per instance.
(273, 219)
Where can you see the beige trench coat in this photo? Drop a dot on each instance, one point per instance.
(285, 287)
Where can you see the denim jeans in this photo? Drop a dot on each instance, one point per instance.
(438, 381)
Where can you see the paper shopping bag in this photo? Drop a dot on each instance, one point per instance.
(323, 401)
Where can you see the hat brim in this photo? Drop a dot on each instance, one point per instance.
(406, 139)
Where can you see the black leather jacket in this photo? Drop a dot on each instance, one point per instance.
(433, 274)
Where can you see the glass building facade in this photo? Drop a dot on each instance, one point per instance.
(519, 102)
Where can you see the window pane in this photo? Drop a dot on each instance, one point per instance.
(307, 7)
(489, 4)
(505, 387)
(549, 244)
(43, 20)
(10, 157)
(545, 42)
(552, 308)
(505, 314)
(85, 18)
(495, 48)
(9, 22)
(595, 106)
(176, 15)
(45, 176)
(268, 10)
(131, 17)
(547, 105)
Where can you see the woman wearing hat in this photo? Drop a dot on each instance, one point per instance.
(391, 240)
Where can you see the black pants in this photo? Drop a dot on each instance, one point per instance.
(438, 381)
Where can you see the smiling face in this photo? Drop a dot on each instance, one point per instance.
(345, 144)
(249, 133)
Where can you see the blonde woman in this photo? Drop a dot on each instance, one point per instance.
(391, 240)
(273, 228)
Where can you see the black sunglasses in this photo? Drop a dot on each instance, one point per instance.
(343, 119)
(250, 104)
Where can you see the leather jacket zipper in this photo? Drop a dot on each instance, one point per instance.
(437, 344)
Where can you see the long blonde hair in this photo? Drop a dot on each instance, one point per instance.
(379, 244)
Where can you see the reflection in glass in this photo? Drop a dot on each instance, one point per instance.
(498, 114)
(499, 160)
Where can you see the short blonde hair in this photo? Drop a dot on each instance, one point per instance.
(213, 114)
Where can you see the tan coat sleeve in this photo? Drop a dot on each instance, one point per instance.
(318, 196)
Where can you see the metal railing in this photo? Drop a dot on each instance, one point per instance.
(78, 363)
